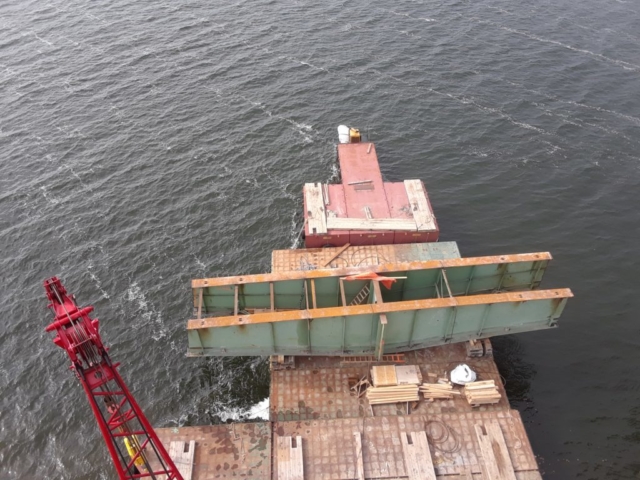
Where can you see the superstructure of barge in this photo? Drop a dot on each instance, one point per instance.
(363, 328)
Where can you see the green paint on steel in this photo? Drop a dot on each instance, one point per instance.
(362, 333)
(405, 330)
(419, 284)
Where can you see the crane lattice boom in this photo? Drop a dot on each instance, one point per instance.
(133, 445)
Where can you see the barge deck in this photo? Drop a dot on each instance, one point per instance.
(320, 428)
(332, 332)
(341, 436)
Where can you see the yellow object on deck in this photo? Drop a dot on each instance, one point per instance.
(132, 449)
(354, 135)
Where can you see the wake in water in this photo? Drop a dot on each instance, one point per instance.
(149, 316)
(631, 118)
(598, 56)
(259, 411)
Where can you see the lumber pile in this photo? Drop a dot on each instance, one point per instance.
(479, 348)
(474, 348)
(434, 391)
(482, 393)
(394, 394)
(384, 375)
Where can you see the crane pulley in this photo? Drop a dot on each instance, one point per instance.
(134, 447)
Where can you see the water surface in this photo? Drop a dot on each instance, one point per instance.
(147, 143)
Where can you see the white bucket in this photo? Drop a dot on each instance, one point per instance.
(343, 134)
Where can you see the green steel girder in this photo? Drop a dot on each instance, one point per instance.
(435, 302)
(378, 328)
(426, 279)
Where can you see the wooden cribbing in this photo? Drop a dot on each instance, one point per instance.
(398, 393)
(432, 391)
(482, 393)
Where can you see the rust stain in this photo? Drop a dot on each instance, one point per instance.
(315, 397)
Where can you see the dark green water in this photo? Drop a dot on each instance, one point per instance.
(147, 143)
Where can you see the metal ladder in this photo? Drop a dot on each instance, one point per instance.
(362, 295)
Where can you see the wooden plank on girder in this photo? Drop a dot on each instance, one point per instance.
(420, 208)
(557, 295)
(417, 456)
(316, 214)
(272, 298)
(200, 292)
(314, 301)
(235, 300)
(382, 268)
(343, 297)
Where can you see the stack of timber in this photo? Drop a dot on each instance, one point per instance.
(395, 394)
(433, 391)
(384, 375)
(387, 375)
(482, 393)
(475, 348)
(479, 348)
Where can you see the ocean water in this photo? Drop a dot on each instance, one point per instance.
(143, 144)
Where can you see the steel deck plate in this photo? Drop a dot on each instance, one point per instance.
(358, 256)
(238, 450)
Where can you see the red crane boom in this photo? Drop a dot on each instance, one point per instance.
(133, 445)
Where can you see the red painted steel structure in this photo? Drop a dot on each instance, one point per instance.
(362, 186)
(119, 417)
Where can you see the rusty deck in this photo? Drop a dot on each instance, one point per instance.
(364, 209)
(237, 450)
(320, 429)
(359, 256)
(338, 431)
